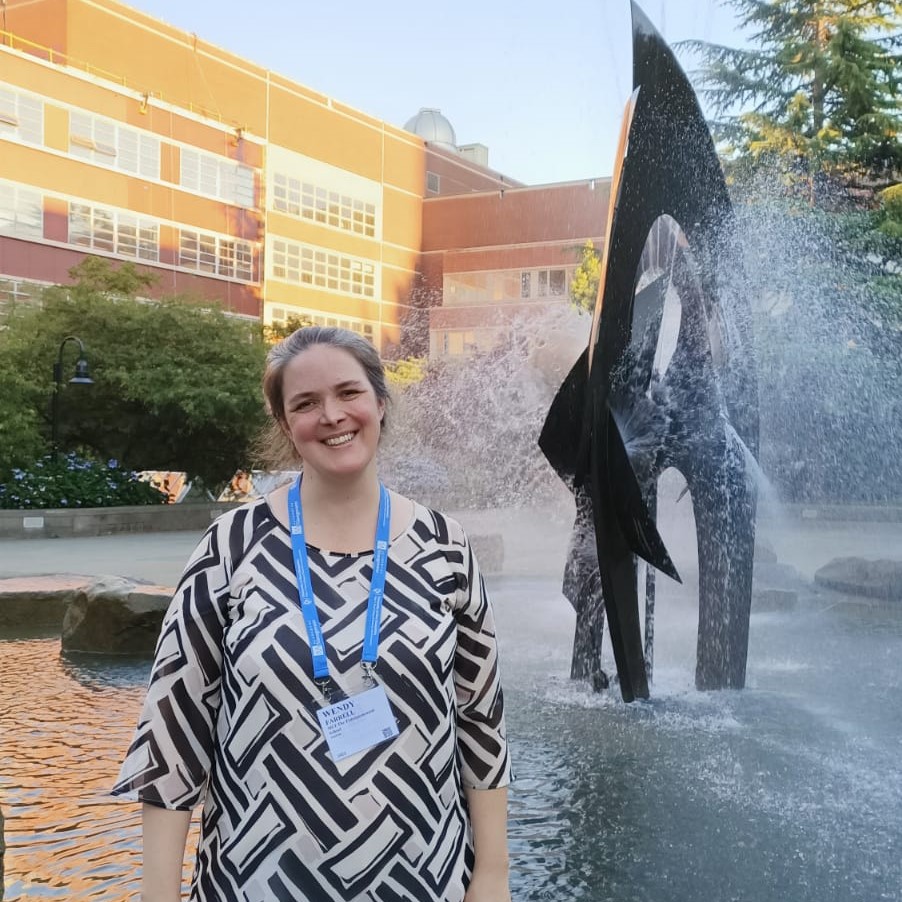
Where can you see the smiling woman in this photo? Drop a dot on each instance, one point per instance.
(330, 405)
(338, 712)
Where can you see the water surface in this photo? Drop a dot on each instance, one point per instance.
(791, 789)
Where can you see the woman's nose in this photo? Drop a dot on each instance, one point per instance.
(331, 411)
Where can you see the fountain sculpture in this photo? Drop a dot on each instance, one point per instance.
(624, 415)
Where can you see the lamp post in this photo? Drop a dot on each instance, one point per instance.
(81, 377)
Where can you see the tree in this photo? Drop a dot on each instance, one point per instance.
(176, 385)
(20, 425)
(277, 331)
(584, 286)
(407, 371)
(814, 105)
(821, 86)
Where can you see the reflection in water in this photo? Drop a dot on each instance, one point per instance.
(65, 725)
(791, 789)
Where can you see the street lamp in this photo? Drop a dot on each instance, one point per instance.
(81, 377)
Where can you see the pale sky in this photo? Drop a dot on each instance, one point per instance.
(541, 84)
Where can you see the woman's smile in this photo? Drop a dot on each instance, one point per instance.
(330, 406)
(336, 441)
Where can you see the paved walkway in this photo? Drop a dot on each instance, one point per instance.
(154, 557)
(535, 545)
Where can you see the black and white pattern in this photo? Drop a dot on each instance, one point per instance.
(230, 720)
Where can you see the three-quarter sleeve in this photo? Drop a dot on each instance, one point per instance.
(481, 732)
(169, 759)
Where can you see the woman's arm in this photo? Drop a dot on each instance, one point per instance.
(488, 816)
(165, 832)
(481, 734)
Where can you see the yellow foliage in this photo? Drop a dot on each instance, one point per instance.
(584, 287)
(402, 373)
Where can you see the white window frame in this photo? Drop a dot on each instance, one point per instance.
(21, 212)
(304, 264)
(216, 176)
(117, 232)
(108, 143)
(281, 315)
(219, 255)
(305, 200)
(537, 283)
(21, 116)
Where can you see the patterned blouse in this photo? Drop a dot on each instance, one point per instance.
(230, 717)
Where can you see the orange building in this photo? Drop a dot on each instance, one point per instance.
(499, 257)
(123, 137)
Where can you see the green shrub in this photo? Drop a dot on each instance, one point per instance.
(890, 215)
(72, 481)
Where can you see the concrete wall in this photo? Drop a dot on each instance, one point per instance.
(105, 521)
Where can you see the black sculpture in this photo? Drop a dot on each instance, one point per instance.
(617, 422)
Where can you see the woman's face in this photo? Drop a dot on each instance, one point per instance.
(332, 415)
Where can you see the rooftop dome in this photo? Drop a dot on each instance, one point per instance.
(432, 126)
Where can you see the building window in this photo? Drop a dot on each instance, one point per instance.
(17, 291)
(21, 212)
(216, 254)
(557, 282)
(114, 231)
(107, 143)
(281, 315)
(543, 283)
(317, 204)
(458, 344)
(216, 176)
(305, 265)
(433, 182)
(21, 117)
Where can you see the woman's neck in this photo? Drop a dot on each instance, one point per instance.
(323, 496)
(340, 514)
(342, 517)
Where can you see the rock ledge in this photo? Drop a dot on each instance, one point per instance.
(880, 579)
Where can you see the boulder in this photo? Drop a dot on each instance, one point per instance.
(779, 576)
(115, 616)
(37, 602)
(858, 576)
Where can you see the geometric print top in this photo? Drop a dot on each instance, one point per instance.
(230, 717)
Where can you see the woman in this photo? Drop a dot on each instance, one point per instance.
(347, 740)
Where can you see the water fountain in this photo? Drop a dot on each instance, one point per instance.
(791, 789)
(625, 414)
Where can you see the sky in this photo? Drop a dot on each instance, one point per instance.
(543, 85)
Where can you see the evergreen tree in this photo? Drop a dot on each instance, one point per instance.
(821, 86)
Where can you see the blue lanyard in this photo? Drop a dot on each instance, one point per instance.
(305, 587)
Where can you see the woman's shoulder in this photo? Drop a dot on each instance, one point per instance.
(438, 526)
(243, 524)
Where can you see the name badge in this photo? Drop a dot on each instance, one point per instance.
(357, 723)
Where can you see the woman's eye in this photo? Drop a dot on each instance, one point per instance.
(304, 405)
(350, 393)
